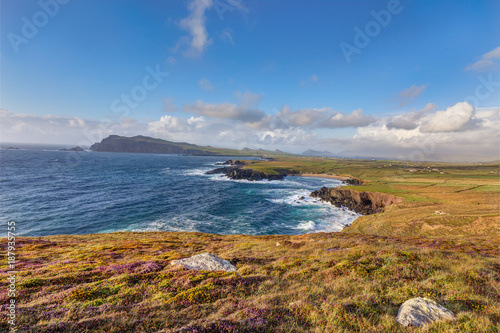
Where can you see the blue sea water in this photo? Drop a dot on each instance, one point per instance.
(48, 192)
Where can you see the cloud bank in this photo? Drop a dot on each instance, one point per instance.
(458, 132)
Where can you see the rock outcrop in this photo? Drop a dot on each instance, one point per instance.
(354, 181)
(420, 311)
(234, 162)
(237, 172)
(205, 262)
(361, 202)
(77, 148)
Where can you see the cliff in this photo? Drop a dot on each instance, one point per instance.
(361, 202)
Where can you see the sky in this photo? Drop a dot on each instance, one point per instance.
(414, 80)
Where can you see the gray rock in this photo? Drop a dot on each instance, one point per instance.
(420, 311)
(205, 262)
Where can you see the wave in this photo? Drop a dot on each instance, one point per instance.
(197, 172)
(307, 226)
(295, 197)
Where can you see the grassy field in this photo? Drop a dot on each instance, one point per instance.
(441, 242)
(467, 194)
(337, 282)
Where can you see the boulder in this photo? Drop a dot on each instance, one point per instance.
(205, 262)
(420, 311)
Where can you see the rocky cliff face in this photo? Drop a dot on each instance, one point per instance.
(361, 202)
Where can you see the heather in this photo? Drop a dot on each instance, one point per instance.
(324, 282)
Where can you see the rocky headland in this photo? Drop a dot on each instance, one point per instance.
(361, 202)
(236, 169)
(237, 172)
(144, 144)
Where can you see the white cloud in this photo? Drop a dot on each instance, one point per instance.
(456, 134)
(205, 84)
(224, 111)
(228, 133)
(194, 24)
(410, 94)
(454, 119)
(486, 62)
(76, 122)
(301, 118)
(409, 120)
(322, 118)
(199, 39)
(28, 128)
(356, 119)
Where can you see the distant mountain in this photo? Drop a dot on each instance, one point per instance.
(312, 152)
(145, 144)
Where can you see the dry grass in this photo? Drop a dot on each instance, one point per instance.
(337, 282)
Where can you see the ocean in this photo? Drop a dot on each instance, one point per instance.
(49, 192)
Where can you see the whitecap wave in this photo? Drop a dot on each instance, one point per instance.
(293, 197)
(221, 177)
(307, 226)
(176, 223)
(197, 172)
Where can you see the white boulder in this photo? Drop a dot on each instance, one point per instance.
(420, 311)
(205, 262)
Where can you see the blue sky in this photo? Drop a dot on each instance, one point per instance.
(269, 74)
